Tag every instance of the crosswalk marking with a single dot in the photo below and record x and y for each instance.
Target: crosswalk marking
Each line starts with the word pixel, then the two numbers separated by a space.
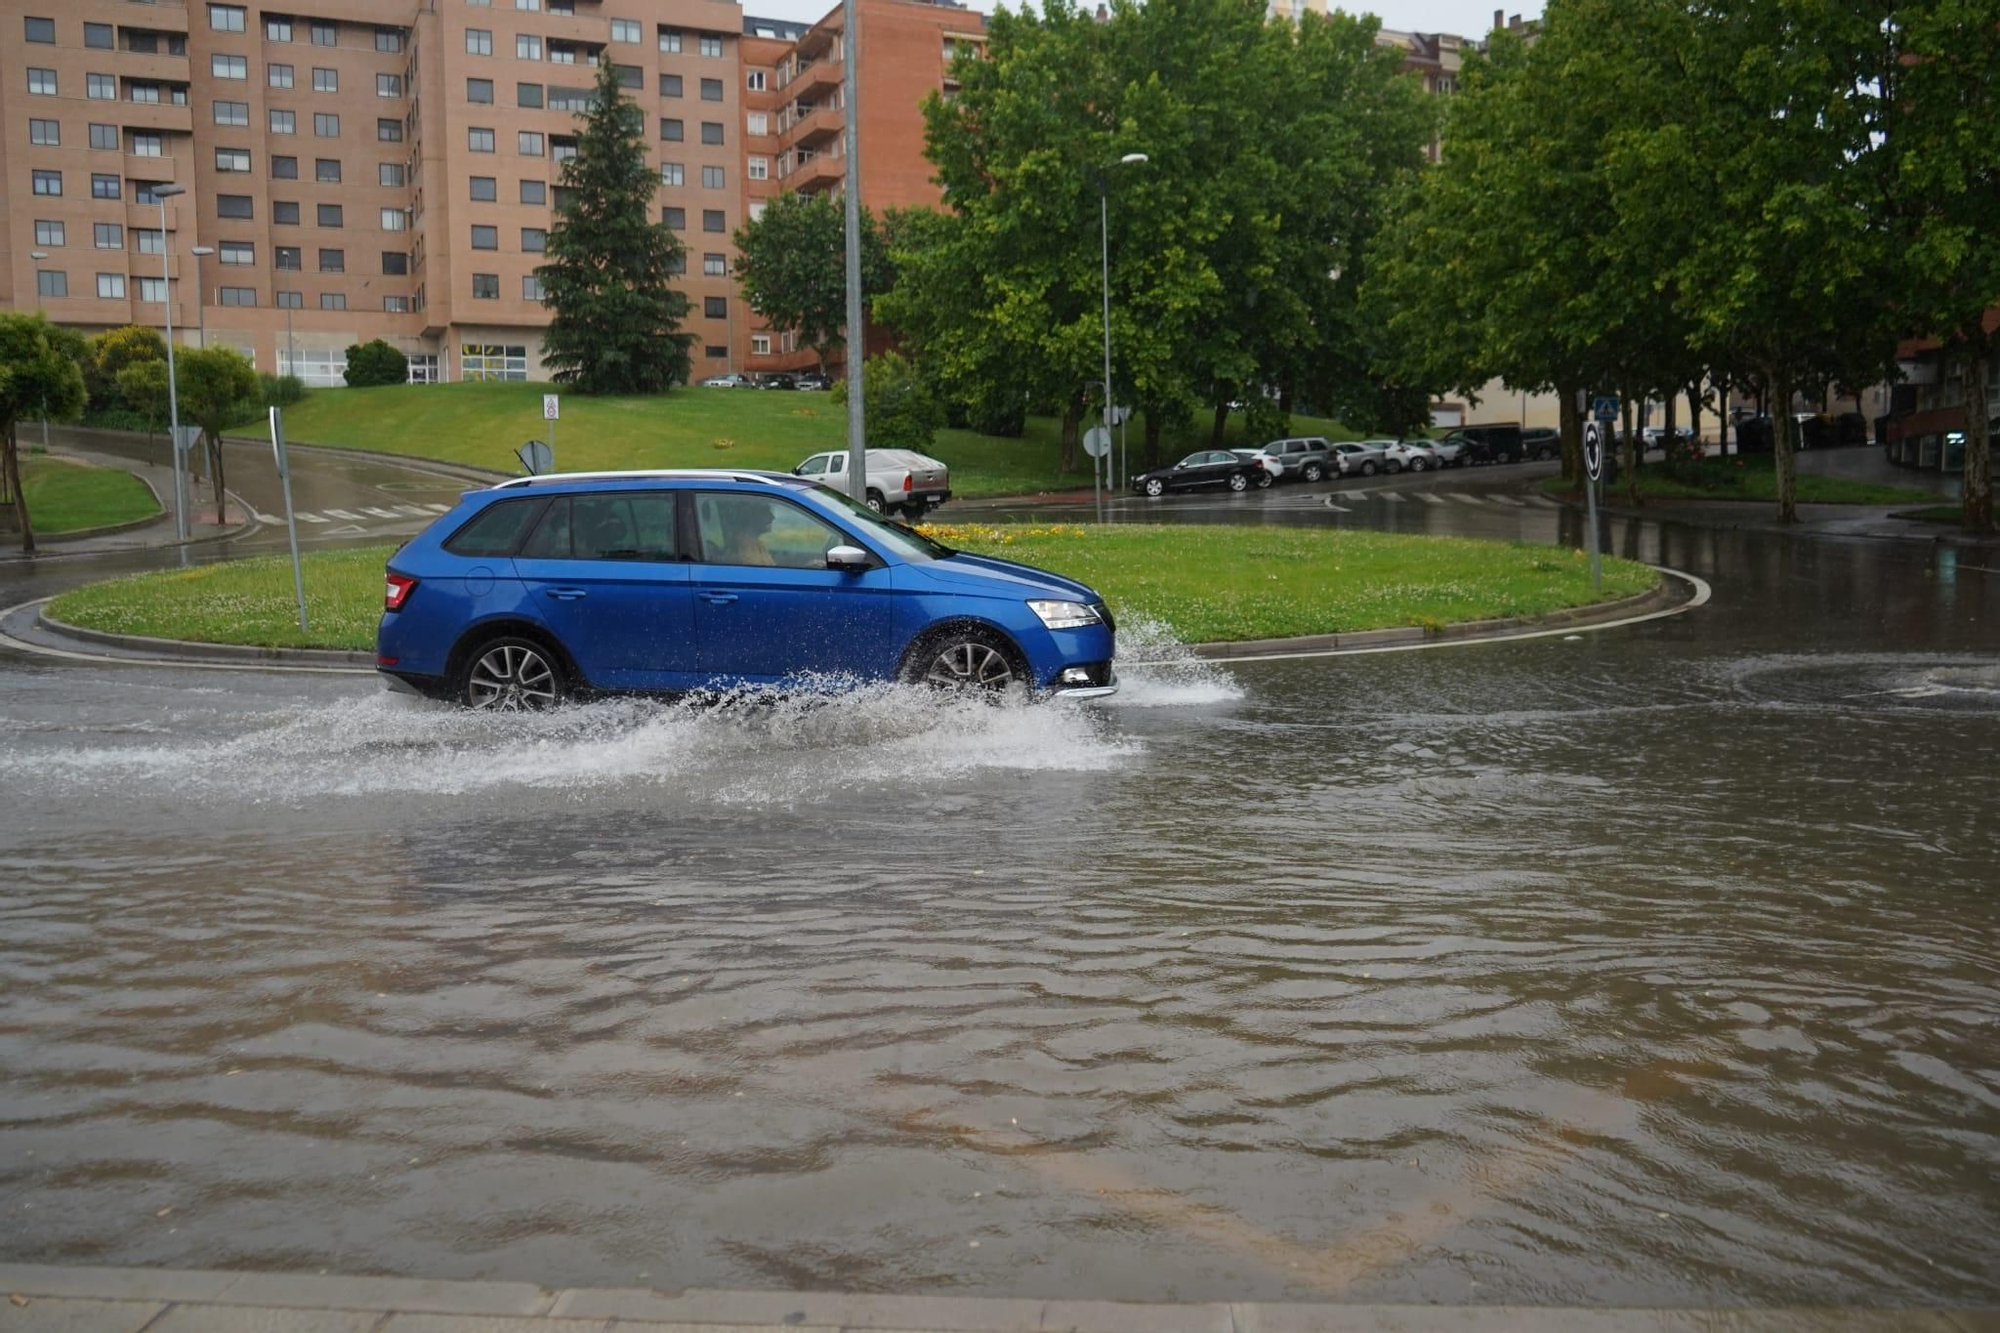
pixel 1428 498
pixel 1392 497
pixel 1507 500
pixel 378 513
pixel 342 513
pixel 1466 499
pixel 313 518
pixel 438 508
pixel 412 510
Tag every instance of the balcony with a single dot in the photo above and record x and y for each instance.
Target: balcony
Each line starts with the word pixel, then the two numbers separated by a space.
pixel 591 29
pixel 160 15
pixel 820 77
pixel 151 67
pixel 821 173
pixel 141 168
pixel 813 127
pixel 156 116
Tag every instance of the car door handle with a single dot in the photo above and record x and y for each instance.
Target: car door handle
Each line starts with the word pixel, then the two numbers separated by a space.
pixel 718 598
pixel 566 594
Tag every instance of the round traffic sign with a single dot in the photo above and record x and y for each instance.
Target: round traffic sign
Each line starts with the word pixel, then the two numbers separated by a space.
pixel 1593 450
pixel 1097 441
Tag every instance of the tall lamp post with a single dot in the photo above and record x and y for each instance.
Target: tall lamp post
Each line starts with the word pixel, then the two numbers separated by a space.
pixel 201 252
pixel 857 332
pixel 162 193
pixel 1104 237
pixel 38 256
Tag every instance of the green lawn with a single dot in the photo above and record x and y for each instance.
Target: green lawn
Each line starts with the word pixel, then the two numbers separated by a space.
pixel 1202 582
pixel 1750 478
pixel 483 423
pixel 68 496
pixel 1934 514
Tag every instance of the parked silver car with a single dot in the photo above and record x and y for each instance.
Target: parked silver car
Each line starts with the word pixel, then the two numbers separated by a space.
pixel 1272 467
pixel 1450 453
pixel 1363 459
pixel 1300 458
pixel 1407 455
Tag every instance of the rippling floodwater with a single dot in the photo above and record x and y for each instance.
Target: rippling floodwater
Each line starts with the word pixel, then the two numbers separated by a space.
pixel 1597 972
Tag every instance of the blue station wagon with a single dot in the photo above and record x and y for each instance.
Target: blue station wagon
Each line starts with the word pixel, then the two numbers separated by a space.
pixel 584 583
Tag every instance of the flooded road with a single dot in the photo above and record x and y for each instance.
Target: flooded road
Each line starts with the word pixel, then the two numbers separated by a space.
pixel 1657 967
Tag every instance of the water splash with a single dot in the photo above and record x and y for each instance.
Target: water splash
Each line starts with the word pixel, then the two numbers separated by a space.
pixel 1157 670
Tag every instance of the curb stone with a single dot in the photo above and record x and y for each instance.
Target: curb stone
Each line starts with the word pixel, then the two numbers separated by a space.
pixel 196 652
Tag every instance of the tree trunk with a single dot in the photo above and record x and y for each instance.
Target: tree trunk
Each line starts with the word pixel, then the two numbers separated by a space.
pixel 1782 427
pixel 1569 431
pixel 1694 411
pixel 1155 422
pixel 13 464
pixel 1628 455
pixel 1072 421
pixel 215 456
pixel 1978 434
pixel 1668 421
pixel 1722 416
pixel 1214 435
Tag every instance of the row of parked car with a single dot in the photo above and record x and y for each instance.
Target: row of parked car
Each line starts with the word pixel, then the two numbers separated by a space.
pixel 776 379
pixel 1313 458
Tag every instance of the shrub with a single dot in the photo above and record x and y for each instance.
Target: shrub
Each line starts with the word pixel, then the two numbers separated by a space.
pixel 376 362
pixel 903 412
pixel 282 390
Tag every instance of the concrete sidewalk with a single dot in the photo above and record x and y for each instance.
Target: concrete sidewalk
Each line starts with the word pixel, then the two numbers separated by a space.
pixel 45 1299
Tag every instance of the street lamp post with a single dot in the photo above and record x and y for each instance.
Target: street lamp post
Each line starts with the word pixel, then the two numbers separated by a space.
pixel 1104 255
pixel 162 193
pixel 201 252
pixel 38 256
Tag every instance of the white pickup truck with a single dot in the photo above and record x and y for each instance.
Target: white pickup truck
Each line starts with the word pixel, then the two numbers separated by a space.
pixel 898 479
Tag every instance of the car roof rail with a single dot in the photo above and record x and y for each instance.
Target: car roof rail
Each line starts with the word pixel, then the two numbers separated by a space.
pixel 643 474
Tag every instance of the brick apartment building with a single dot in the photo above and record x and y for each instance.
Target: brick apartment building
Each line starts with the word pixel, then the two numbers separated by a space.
pixel 387 168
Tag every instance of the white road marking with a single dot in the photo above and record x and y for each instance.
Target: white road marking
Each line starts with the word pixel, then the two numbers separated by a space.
pixel 342 513
pixel 312 518
pixel 412 510
pixel 1462 498
pixel 1507 500
pixel 1428 498
pixel 1391 497
pixel 378 513
pixel 438 509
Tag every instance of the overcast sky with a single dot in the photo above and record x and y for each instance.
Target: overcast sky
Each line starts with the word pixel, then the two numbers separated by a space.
pixel 1467 18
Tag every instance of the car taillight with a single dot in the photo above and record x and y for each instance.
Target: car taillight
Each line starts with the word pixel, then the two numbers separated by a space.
pixel 396 590
pixel 909 481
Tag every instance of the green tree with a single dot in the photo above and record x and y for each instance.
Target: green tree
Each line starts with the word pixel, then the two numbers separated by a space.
pixel 111 352
pixel 373 363
pixel 37 378
pixel 903 410
pixel 216 384
pixel 617 324
pixel 142 390
pixel 792 268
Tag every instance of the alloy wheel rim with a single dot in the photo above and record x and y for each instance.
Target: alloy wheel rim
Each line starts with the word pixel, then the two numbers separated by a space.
pixel 970 666
pixel 509 678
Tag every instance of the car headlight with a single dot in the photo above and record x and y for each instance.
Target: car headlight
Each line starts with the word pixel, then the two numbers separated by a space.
pixel 1065 615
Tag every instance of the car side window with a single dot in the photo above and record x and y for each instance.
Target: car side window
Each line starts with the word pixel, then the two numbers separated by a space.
pixel 813 466
pixel 738 529
pixel 615 525
pixel 1192 460
pixel 494 530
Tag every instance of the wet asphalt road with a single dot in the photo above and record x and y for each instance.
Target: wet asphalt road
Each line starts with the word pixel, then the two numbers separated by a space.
pixel 1656 967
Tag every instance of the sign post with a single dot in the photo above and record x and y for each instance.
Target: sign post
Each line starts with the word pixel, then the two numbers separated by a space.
pixel 291 523
pixel 184 440
pixel 551 412
pixel 1593 468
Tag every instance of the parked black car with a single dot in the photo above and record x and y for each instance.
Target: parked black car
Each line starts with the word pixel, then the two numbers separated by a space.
pixel 812 379
pixel 1491 444
pixel 777 379
pixel 1206 467
pixel 1541 441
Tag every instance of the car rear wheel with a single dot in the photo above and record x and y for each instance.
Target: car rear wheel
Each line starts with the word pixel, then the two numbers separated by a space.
pixel 1238 482
pixel 1368 468
pixel 969 661
pixel 1312 472
pixel 913 512
pixel 1392 467
pixel 876 502
pixel 1155 487
pixel 1416 465
pixel 511 675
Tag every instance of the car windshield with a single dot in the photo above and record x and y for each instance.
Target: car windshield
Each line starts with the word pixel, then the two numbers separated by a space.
pixel 898 537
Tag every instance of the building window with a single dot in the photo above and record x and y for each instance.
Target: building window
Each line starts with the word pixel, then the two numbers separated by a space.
pixel 527 47
pixel 333 300
pixel 486 286
pixel 528 143
pixel 625 30
pixel 290 259
pixel 388 129
pixel 712 220
pixel 285 212
pixel 478 140
pixel 326 170
pixel 484 190
pixel 395 219
pixel 532 289
pixel 712 178
pixel 277 28
pixel 760 168
pixel 479 41
pixel 534 192
pixel 629 76
pixel 758 123
pixel 325 80
pixel 42 30
pixel 97 36
pixel 153 290
pixel 755 80
pixel 290 301
pixel 232 113
pixel 236 296
pixel 284 122
pixel 671 131
pixel 388 85
pixel 395 264
pixel 760 344
pixel 278 76
pixel 670 85
pixel 485 238
pixel 714 265
pixel 715 353
pixel 325 34
pixel 47 133
pixel 329 215
pixel 559 198
pixel 228 67
pixel 711 46
pixel 670 41
pixel 479 90
pixel 235 206
pixel 111 286
pixel 389 173
pixel 395 305
pixel 232 159
pixel 284 168
pixel 238 252
pixel 478 361
pixel 711 131
pixel 389 41
pixel 318 367
pixel 673 173
pixel 225 18
pixel 711 90
pixel 108 235
pixel 42 82
pixel 52 282
pixel 151 240
pixel 48 233
pixel 104 186
pixel 534 241
pixel 100 87
pixel 333 261
pixel 528 95
pixel 674 219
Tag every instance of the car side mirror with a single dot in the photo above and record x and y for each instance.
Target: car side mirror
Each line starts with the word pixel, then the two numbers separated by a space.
pixel 852 559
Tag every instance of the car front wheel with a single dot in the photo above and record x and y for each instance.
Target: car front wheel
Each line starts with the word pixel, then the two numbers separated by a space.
pixel 970 661
pixel 1368 468
pixel 1416 465
pixel 511 675
pixel 1155 487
